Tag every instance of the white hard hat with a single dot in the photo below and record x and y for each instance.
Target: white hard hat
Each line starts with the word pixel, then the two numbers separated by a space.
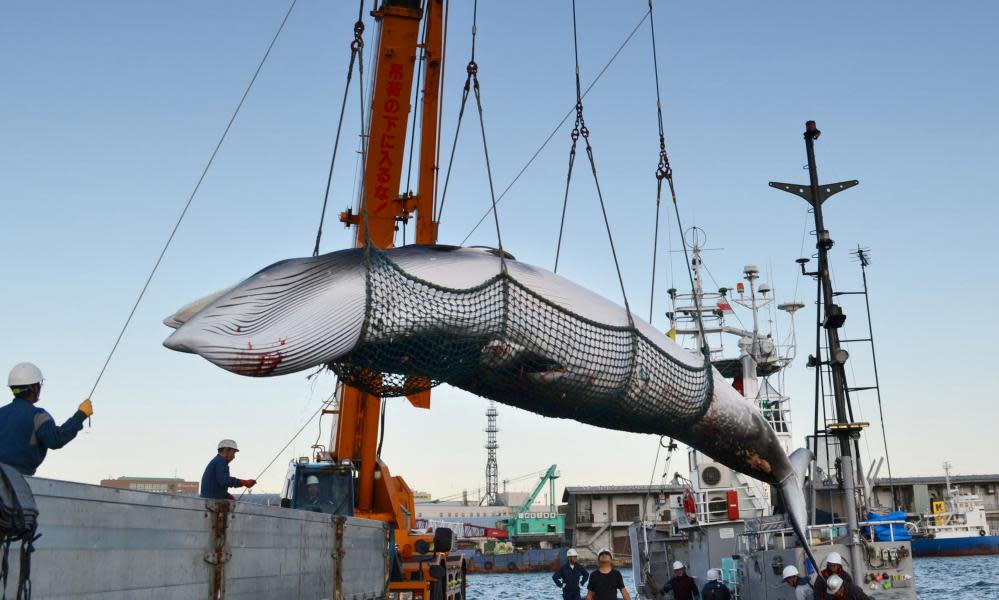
pixel 833 583
pixel 833 558
pixel 312 480
pixel 24 374
pixel 713 575
pixel 227 443
pixel 572 552
pixel 678 565
pixel 605 551
pixel 789 571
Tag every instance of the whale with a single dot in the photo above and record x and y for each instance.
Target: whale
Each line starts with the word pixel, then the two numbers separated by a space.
pixel 403 319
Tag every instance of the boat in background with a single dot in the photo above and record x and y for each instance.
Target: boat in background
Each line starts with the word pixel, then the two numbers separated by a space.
pixel 957 526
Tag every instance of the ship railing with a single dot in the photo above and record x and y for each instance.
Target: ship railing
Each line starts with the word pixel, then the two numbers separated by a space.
pixel 818 535
pixel 704 502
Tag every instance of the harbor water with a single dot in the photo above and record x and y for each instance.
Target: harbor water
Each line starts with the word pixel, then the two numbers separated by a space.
pixel 959 578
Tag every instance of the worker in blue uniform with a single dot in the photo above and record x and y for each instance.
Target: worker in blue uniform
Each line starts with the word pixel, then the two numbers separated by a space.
pixel 27 432
pixel 571 576
pixel 216 481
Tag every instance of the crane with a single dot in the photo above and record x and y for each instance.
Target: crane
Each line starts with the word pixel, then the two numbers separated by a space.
pixel 351 473
pixel 527 526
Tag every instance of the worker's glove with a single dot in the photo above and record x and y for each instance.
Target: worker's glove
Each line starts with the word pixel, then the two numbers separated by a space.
pixel 87 408
pixel 248 482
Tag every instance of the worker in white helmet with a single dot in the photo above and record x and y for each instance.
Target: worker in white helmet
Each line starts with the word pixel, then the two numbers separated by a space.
pixel 834 566
pixel 715 589
pixel 216 481
pixel 571 576
pixel 27 431
pixel 841 589
pixel 802 587
pixel 683 586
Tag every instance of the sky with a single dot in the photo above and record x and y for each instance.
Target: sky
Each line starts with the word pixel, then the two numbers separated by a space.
pixel 109 111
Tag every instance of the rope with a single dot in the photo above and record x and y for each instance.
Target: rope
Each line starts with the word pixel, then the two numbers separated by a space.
pixel 356 47
pixel 556 129
pixel 319 411
pixel 584 132
pixel 190 198
pixel 472 84
pixel 665 172
pixel 416 102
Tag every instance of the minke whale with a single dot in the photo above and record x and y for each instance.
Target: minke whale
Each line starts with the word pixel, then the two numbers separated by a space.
pixel 395 321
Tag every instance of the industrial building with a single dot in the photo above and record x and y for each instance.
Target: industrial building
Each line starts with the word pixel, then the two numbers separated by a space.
pixel 915 495
pixel 162 485
pixel 598 516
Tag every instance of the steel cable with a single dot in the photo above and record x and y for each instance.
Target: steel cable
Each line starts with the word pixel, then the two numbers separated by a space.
pixel 190 198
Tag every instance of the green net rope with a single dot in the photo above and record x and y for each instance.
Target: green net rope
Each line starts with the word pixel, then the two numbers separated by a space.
pixel 504 341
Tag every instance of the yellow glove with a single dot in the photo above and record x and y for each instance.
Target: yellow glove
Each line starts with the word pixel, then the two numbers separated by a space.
pixel 87 408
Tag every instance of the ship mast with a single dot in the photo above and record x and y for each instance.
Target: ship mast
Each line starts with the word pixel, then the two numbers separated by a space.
pixel 833 318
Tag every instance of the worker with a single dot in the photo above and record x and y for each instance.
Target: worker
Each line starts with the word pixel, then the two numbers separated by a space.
pixel 682 585
pixel 216 481
pixel 834 566
pixel 841 589
pixel 27 432
pixel 714 589
pixel 571 576
pixel 802 587
pixel 606 581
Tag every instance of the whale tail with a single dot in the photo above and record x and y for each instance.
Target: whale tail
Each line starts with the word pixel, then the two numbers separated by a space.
pixel 792 489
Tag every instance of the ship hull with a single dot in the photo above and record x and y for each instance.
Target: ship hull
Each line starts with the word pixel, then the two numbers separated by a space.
pixel 532 560
pixel 962 546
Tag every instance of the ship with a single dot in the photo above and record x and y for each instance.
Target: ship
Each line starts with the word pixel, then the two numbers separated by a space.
pixel 957 526
pixel 727 521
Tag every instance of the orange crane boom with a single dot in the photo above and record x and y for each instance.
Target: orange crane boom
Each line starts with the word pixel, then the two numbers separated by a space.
pixel 381 207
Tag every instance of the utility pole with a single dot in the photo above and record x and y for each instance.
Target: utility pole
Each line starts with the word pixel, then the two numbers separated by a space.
pixel 833 319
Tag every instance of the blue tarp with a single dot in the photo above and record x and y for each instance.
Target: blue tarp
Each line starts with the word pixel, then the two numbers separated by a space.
pixel 883 533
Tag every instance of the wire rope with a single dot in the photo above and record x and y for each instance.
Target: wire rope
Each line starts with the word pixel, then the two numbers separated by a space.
pixel 190 198
pixel 554 131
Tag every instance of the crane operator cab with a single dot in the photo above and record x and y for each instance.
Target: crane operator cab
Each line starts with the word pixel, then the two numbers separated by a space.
pixel 323 487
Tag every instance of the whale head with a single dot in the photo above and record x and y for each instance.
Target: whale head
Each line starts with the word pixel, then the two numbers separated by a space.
pixel 280 319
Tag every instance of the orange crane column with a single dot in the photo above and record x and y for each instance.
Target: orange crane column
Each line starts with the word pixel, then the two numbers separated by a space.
pixel 357 429
pixel 426 226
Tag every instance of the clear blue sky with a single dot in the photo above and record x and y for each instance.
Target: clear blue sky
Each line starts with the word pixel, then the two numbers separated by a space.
pixel 108 111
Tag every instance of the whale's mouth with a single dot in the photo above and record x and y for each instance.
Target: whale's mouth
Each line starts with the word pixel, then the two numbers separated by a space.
pixel 178 341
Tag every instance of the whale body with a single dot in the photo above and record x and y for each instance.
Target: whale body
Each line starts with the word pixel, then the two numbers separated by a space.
pixel 391 321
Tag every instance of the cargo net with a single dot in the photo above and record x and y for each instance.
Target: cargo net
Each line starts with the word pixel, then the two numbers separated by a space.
pixel 503 341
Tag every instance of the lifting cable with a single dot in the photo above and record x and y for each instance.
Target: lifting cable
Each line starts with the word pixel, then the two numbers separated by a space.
pixel 580 130
pixel 318 412
pixel 555 130
pixel 425 8
pixel 472 83
pixel 665 172
pixel 356 56
pixel 190 198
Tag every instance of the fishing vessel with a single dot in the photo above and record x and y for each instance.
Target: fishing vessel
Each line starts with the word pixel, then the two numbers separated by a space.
pixel 957 526
pixel 727 521
pixel 363 541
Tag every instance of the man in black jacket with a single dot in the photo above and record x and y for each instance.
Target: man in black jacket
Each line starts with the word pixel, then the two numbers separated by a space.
pixel 571 576
pixel 682 585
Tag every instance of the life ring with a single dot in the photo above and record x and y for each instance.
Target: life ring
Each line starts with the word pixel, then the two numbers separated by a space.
pixel 511 566
pixel 488 565
pixel 981 532
pixel 689 506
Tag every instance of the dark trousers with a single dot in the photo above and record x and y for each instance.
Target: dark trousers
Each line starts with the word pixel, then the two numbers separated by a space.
pixel 570 595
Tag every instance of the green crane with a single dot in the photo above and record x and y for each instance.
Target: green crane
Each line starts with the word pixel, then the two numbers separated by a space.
pixel 527 526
